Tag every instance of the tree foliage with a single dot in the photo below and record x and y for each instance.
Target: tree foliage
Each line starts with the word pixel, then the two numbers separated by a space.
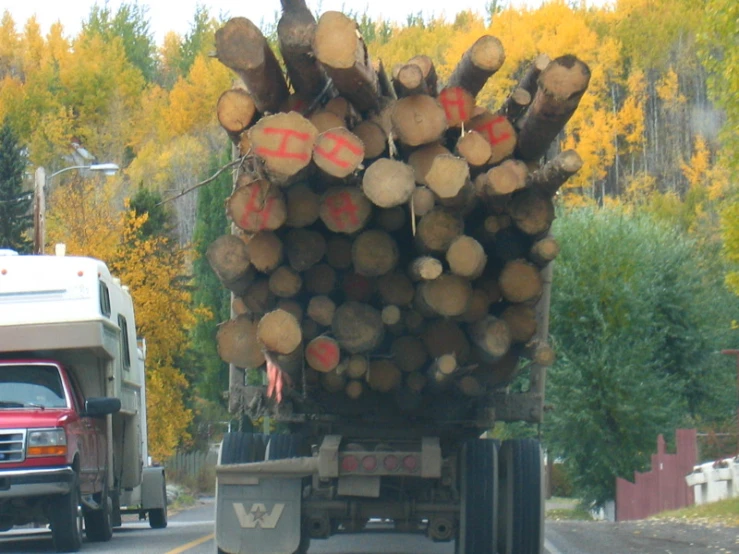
pixel 15 202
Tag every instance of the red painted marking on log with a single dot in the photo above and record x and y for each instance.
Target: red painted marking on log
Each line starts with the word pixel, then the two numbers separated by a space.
pixel 340 143
pixel 341 205
pixel 325 353
pixel 492 130
pixel 252 208
pixel 282 150
pixel 448 102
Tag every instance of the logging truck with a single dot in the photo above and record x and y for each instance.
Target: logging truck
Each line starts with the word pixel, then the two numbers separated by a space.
pixel 390 270
pixel 73 440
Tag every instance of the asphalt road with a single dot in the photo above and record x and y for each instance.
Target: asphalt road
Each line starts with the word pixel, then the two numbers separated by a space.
pixel 191 532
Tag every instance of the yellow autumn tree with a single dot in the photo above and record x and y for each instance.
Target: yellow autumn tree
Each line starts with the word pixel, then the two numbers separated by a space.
pixel 84 216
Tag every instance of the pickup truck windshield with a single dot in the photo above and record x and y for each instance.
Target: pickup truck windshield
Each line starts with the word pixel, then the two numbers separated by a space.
pixel 30 386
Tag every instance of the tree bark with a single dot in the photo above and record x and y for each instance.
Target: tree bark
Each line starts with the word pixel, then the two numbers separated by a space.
pixel 560 87
pixel 388 183
pixel 279 331
pixel 345 209
pixel 555 173
pixel 478 64
pixel 374 253
pixel 429 72
pixel 466 257
pixel 256 206
pixel 302 206
pixel 383 80
pixel 418 120
pixel 305 248
pixel 285 282
pixel 531 77
pixel 339 47
pixel 323 354
pixel 321 309
pixel 237 343
pixel 241 47
pixel 520 281
pixel 515 105
pixel 258 299
pixel 342 108
pixel 458 105
pixel 235 111
pixel 358 327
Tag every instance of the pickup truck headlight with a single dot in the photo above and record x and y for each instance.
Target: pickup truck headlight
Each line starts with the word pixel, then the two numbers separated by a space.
pixel 46 442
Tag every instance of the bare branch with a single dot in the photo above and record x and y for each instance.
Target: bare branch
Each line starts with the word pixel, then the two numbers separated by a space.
pixel 202 183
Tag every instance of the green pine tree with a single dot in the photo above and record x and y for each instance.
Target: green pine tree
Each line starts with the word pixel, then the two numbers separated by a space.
pixel 16 219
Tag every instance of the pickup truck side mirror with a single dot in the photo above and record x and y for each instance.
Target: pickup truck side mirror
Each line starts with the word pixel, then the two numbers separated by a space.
pixel 95 407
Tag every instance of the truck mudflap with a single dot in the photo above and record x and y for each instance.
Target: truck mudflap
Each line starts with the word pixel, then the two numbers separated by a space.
pixel 257 515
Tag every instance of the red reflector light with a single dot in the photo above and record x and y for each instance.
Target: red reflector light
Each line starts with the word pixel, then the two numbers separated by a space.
pixel 369 463
pixel 410 463
pixel 391 462
pixel 349 463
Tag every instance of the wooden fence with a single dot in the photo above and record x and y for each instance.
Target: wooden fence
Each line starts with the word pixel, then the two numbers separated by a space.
pixel 662 488
pixel 190 466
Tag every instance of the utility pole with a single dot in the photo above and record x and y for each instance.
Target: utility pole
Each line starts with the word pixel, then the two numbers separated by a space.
pixel 735 353
pixel 39 211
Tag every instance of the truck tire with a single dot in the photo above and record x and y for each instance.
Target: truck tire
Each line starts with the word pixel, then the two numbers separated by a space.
pixel 66 519
pixel 99 523
pixel 479 496
pixel 158 516
pixel 521 514
pixel 243 448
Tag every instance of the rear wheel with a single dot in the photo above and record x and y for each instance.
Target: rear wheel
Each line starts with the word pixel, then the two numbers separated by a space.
pixel 65 516
pixel 479 494
pixel 99 523
pixel 521 514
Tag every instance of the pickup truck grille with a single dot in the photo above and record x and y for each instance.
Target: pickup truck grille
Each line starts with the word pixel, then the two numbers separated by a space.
pixel 12 445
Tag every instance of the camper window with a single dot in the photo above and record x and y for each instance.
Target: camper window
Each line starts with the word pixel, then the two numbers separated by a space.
pixel 104 299
pixel 126 352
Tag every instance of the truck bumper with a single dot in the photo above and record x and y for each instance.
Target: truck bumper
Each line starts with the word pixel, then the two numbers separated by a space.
pixel 23 483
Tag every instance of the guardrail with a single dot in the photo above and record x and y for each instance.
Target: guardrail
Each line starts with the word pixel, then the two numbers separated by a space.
pixel 715 481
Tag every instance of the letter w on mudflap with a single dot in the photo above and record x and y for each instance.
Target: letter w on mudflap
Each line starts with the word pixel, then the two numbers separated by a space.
pixel 258 516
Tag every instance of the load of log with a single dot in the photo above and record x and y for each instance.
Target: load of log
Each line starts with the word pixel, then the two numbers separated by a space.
pixel 389 234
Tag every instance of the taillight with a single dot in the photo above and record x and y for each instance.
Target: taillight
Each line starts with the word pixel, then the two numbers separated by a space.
pixel 390 462
pixel 369 463
pixel 349 463
pixel 410 463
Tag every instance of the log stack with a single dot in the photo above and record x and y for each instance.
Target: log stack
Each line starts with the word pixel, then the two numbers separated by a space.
pixel 389 234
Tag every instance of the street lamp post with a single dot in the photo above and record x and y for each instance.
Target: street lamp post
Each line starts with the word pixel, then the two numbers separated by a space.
pixel 39 198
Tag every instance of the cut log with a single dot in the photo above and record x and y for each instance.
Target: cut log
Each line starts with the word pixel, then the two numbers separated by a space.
pixel 291 363
pixel 500 372
pixel 354 389
pixel 443 336
pixel 515 105
pixel 235 111
pixel 373 137
pixel 418 120
pixel 474 148
pixel 560 87
pixel 408 80
pixel 531 77
pixel 296 103
pixel 409 353
pixel 279 331
pixel 357 287
pixel 470 386
pixel 458 105
pixel 395 288
pixel 414 322
pixel 344 110
pixel 295 31
pixel 544 355
pixel 448 295
pixel 357 366
pixel 423 201
pixel 544 251
pixel 323 121
pixel 466 257
pixel 478 307
pixel 345 209
pixel 383 80
pixel 429 72
pixel 506 178
pixel 498 131
pixel 292 307
pixel 302 206
pixel 437 229
pixel 494 224
pixel 285 282
pixel 464 202
pixel 521 320
pixel 229 258
pixel 391 315
pixel 338 152
pixel 422 158
pixel 555 173
pixel 357 327
pixel 333 381
pixel 425 268
pixel 238 307
pixel 320 279
pixel 491 288
pixel 258 299
pixel 305 248
pixel 339 252
pixel 265 251
pixel 237 343
pixel 532 212
pixel 478 64
pixel 441 370
pixel 374 253
pixel 384 376
pixel 520 281
pixel 241 47
pixel 310 329
pixel 388 183
pixel 390 219
pixel 447 175
pixel 416 382
pixel 284 142
pixel 256 206
pixel 244 144
pixel 322 354
pixel 492 336
pixel 338 46
pixel 321 309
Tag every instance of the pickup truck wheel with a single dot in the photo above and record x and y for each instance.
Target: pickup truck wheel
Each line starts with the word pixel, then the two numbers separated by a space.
pixel 99 523
pixel 479 496
pixel 521 515
pixel 158 516
pixel 65 516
